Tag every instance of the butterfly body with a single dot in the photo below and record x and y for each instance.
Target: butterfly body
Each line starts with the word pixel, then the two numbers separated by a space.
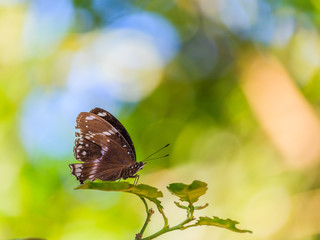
pixel 130 171
pixel 104 147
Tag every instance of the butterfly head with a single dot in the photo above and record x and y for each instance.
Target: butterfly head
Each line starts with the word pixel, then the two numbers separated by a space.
pixel 132 170
pixel 139 165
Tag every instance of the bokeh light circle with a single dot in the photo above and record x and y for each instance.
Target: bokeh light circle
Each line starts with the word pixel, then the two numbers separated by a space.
pixel 46 24
pixel 125 63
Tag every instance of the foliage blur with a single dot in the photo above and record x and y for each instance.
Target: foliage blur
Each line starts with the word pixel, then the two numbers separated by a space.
pixel 233 85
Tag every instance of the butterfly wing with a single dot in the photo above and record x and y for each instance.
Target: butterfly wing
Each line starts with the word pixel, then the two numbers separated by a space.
pixel 104 151
pixel 115 123
pixel 106 167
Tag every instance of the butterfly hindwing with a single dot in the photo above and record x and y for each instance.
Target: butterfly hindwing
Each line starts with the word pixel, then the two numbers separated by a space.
pixel 107 167
pixel 105 173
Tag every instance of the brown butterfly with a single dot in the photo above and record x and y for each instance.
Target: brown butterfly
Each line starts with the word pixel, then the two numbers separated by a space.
pixel 104 147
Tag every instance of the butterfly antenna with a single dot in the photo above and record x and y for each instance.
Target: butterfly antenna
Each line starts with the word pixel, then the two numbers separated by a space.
pixel 156 152
pixel 156 158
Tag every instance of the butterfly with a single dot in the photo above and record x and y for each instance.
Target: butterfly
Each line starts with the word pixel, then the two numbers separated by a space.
pixel 104 147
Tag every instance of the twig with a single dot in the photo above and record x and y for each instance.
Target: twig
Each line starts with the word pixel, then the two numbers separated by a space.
pixel 145 204
pixel 138 236
pixel 165 219
pixel 178 226
pixel 149 214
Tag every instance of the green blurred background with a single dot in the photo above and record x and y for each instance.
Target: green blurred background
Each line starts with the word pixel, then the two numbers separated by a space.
pixel 233 85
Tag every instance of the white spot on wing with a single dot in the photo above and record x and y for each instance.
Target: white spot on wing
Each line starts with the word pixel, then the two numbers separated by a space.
pixel 90 117
pixel 107 133
pixel 104 149
pixel 84 153
pixel 102 114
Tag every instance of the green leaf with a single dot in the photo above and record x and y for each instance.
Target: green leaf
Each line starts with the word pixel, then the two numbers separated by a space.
pixel 189 193
pixel 140 190
pixel 223 223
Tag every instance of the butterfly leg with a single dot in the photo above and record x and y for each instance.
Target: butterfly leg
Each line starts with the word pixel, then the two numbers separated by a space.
pixel 136 179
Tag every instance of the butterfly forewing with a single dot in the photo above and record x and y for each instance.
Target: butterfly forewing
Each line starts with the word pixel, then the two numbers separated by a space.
pixel 84 150
pixel 115 123
pixel 102 133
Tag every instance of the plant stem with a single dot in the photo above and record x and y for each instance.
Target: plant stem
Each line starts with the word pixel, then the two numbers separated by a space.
pixel 165 219
pixel 178 226
pixel 145 204
pixel 191 225
pixel 149 214
pixel 169 229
